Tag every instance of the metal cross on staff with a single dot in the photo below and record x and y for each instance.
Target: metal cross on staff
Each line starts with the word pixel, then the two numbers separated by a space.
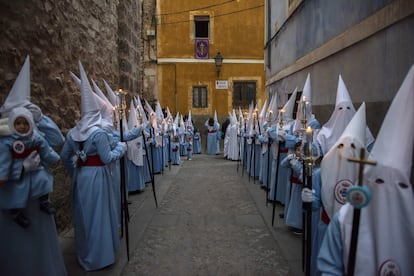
pixel 359 197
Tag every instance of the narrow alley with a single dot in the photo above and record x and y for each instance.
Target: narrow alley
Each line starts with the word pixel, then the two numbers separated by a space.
pixel 211 220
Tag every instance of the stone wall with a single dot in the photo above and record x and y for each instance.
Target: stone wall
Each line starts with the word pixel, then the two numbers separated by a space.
pixel 103 34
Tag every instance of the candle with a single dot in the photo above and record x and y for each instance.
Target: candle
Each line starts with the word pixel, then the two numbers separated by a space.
pixel 304 108
pixel 309 137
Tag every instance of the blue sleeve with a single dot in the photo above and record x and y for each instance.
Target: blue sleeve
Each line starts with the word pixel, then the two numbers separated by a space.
pixel 290 141
pixel 66 155
pixel 330 261
pixel 47 153
pixel 316 185
pixel 132 134
pixel 6 161
pixel 103 148
pixel 51 132
pixel 285 162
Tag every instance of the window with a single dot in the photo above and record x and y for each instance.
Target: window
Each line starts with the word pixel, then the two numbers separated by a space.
pixel 200 97
pixel 201 26
pixel 244 93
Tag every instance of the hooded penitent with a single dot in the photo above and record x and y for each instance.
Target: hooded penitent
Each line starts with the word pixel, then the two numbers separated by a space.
pixel 288 110
pixel 134 152
pixel 337 173
pixel 107 109
pixel 304 105
pixel 91 118
pixel 386 236
pixel 341 116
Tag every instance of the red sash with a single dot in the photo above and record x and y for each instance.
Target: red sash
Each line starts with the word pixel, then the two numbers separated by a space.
pixel 324 217
pixel 92 161
pixel 295 180
pixel 25 153
pixel 212 131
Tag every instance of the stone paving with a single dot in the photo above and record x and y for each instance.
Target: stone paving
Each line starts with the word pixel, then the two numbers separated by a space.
pixel 210 221
pixel 207 224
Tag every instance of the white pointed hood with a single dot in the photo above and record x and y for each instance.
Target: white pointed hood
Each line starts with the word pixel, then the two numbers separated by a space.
pixel 19 94
pixel 111 94
pixel 337 173
pixel 134 151
pixel 386 228
pixel 90 111
pixel 305 99
pixel 107 110
pixel 340 117
pixel 290 106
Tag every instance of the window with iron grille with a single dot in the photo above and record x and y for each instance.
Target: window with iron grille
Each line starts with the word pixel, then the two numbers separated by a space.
pixel 201 26
pixel 244 93
pixel 200 97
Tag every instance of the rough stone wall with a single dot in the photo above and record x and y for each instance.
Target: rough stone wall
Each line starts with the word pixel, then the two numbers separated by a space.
pixel 129 46
pixel 149 51
pixel 56 35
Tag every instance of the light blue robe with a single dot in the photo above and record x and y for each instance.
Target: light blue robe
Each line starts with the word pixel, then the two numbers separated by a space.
pixel 35 250
pixel 212 141
pixel 17 191
pixel 94 209
pixel 330 259
pixel 32 251
pixel 175 153
pixel 135 176
pixel 197 143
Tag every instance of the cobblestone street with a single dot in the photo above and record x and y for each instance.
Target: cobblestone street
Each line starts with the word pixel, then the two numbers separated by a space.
pixel 210 221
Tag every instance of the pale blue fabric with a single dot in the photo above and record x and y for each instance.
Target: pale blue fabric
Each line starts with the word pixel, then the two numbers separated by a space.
pixel 212 140
pixel 32 251
pixel 197 143
pixel 175 153
pixel 134 176
pixel 330 259
pixel 94 209
pixel 17 191
pixel 189 149
pixel 51 132
pixel 293 216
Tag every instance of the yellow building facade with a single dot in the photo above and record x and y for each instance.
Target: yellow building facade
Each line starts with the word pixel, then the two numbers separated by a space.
pixel 190 34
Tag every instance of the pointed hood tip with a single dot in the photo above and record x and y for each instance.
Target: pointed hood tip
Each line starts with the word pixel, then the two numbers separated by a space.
pixel 398 155
pixel 19 94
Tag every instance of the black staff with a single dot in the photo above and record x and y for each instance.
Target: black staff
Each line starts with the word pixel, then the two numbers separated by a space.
pixel 307 206
pixel 151 168
pixel 169 148
pixel 275 182
pixel 355 194
pixel 244 158
pixel 124 203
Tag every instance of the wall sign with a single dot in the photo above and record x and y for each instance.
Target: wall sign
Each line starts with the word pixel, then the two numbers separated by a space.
pixel 222 84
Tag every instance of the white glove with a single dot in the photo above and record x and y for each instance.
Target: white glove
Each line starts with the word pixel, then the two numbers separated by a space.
pixel 291 156
pixel 32 162
pixel 121 148
pixel 308 195
pixel 281 135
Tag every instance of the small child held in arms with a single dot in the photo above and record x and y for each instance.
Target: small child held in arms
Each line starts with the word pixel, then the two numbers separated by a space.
pixel 24 153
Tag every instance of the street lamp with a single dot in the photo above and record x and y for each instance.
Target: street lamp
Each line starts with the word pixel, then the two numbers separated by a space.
pixel 218 60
